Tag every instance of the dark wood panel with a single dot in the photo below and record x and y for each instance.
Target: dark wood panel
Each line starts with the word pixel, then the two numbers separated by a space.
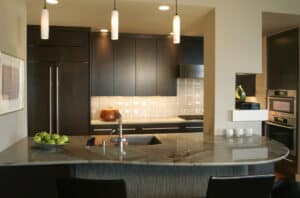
pixel 124 67
pixel 58 53
pixel 74 98
pixel 166 67
pixel 59 36
pixel 149 128
pixel 283 59
pixel 191 51
pixel 145 67
pixel 248 82
pixel 102 68
pixel 38 96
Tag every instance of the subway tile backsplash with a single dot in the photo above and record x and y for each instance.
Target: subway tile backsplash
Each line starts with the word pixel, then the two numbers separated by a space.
pixel 189 101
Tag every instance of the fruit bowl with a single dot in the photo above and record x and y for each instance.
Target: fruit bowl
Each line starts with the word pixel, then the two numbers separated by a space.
pixel 50 142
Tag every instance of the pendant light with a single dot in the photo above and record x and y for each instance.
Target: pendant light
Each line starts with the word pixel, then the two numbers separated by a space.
pixel 176 26
pixel 45 22
pixel 52 1
pixel 115 23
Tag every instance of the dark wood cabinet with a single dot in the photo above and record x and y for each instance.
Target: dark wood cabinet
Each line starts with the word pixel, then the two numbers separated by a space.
pixel 188 127
pixel 283 60
pixel 102 67
pixel 135 65
pixel 124 66
pixel 146 67
pixel 248 82
pixel 191 51
pixel 167 70
pixel 74 98
pixel 70 81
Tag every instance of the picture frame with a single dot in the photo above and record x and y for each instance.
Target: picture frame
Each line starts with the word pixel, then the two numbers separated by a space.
pixel 12 80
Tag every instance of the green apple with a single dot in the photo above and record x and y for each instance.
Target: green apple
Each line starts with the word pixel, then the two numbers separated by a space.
pixel 65 138
pixel 43 134
pixel 51 141
pixel 55 136
pixel 37 139
pixel 60 141
pixel 47 137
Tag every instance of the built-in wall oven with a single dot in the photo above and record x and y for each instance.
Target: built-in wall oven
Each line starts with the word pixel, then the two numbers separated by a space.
pixel 282 124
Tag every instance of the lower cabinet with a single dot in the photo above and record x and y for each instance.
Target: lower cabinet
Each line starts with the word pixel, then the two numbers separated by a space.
pixel 149 128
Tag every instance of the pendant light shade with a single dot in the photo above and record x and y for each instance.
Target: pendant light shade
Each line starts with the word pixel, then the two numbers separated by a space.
pixel 45 23
pixel 176 27
pixel 52 1
pixel 115 23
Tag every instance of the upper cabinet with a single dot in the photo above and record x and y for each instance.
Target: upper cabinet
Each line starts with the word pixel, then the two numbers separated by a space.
pixel 140 65
pixel 146 69
pixel 191 51
pixel 167 70
pixel 283 60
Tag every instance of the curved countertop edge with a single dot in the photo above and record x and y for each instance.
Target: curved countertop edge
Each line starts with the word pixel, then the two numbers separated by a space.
pixel 14 156
pixel 93 162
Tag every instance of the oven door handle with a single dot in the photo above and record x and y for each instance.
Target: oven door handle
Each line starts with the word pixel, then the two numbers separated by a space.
pixel 282 98
pixel 279 125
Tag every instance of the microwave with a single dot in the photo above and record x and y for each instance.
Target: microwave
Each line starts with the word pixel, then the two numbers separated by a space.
pixel 282 103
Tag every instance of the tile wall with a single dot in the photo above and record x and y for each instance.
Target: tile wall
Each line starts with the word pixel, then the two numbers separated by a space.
pixel 189 101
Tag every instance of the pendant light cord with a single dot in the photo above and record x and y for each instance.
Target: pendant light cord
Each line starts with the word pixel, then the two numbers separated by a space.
pixel 45 4
pixel 115 5
pixel 176 5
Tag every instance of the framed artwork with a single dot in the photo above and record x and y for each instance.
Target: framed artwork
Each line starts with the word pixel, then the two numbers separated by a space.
pixel 11 83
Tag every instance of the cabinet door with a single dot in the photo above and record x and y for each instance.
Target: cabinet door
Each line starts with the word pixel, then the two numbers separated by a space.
pixel 38 96
pixel 166 67
pixel 102 69
pixel 124 67
pixel 74 98
pixel 145 67
pixel 191 51
pixel 283 60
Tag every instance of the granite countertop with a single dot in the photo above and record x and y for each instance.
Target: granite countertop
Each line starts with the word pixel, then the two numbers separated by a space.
pixel 168 120
pixel 175 150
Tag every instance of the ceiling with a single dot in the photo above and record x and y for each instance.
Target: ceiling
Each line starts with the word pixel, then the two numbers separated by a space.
pixel 135 16
pixel 276 22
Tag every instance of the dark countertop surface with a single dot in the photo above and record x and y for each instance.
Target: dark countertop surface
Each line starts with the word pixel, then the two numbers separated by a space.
pixel 189 149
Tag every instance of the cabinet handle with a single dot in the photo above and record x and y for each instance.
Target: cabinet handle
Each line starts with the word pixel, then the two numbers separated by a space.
pixel 193 127
pixel 50 100
pixel 102 130
pixel 57 100
pixel 159 128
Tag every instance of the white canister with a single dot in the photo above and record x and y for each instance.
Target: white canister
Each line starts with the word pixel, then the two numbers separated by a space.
pixel 248 132
pixel 228 132
pixel 238 132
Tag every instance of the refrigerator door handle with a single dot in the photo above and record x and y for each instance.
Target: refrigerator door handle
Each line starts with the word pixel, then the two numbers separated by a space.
pixel 50 99
pixel 57 99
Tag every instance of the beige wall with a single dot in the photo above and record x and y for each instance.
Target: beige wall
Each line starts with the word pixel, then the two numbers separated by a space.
pixel 13 126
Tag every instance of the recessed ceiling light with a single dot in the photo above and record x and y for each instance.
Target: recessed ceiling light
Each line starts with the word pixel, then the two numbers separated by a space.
pixel 164 7
pixel 104 30
pixel 52 1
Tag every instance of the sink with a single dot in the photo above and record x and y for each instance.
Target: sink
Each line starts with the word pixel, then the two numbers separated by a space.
pixel 140 140
pixel 143 140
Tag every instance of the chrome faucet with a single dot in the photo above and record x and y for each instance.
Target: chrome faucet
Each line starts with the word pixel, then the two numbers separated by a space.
pixel 120 140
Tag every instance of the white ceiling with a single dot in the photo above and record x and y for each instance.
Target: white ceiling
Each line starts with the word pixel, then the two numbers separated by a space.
pixel 135 16
pixel 275 22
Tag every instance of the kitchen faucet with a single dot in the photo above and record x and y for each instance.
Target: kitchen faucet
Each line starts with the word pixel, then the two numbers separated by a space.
pixel 120 140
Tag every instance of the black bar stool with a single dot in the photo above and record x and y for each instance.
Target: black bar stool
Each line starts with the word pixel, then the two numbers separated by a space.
pixel 84 188
pixel 259 186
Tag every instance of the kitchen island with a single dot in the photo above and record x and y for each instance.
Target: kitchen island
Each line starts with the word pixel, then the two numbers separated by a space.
pixel 179 165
